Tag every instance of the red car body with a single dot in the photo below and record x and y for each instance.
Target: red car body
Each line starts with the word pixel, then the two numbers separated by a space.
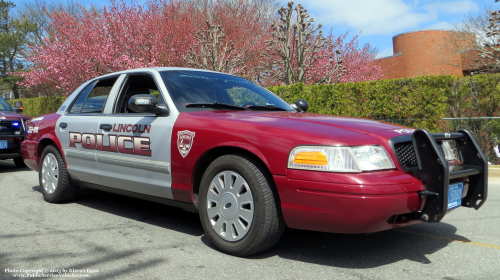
pixel 312 200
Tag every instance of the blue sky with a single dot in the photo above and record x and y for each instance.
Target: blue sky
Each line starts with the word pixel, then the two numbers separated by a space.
pixel 378 20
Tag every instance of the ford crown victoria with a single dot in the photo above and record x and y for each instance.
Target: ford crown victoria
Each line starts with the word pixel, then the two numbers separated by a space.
pixel 247 161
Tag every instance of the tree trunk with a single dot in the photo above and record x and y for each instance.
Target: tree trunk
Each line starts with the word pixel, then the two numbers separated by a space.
pixel 15 90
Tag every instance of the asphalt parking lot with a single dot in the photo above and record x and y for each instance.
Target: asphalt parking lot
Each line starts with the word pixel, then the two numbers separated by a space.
pixel 102 236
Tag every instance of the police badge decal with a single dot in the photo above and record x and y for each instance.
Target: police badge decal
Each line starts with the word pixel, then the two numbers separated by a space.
pixel 185 142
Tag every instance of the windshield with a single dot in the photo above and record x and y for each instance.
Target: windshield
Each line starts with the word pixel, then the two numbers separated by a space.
pixel 4 106
pixel 191 87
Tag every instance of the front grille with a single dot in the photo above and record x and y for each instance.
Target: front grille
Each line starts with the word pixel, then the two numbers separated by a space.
pixel 6 133
pixel 6 128
pixel 406 154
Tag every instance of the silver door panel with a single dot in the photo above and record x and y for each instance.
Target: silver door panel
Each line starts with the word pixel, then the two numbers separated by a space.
pixel 81 163
pixel 138 173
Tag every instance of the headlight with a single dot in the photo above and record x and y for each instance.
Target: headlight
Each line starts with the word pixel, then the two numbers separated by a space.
pixel 340 159
pixel 450 151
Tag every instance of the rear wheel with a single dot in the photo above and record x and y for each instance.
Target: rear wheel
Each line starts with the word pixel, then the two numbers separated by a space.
pixel 238 209
pixel 54 179
pixel 19 162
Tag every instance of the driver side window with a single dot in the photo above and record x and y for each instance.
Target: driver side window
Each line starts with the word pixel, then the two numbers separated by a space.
pixel 137 84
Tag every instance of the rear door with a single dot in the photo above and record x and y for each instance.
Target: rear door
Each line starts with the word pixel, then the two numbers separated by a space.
pixel 134 153
pixel 77 128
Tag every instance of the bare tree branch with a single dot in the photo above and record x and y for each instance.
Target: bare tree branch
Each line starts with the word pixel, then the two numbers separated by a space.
pixel 489 53
pixel 212 53
pixel 295 49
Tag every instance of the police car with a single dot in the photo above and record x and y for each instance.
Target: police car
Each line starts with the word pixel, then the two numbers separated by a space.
pixel 12 131
pixel 247 161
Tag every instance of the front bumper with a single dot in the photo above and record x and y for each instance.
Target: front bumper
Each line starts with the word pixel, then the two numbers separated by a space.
pixel 349 207
pixel 13 147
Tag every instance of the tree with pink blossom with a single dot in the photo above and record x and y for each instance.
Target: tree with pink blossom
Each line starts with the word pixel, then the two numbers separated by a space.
pixel 89 43
pixel 124 36
pixel 121 37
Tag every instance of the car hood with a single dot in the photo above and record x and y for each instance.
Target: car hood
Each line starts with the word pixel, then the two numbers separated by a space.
pixel 4 115
pixel 323 128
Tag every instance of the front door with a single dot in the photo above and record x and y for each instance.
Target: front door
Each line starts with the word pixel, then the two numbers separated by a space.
pixel 133 149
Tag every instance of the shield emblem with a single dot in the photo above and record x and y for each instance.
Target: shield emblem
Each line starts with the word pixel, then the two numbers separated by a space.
pixel 185 142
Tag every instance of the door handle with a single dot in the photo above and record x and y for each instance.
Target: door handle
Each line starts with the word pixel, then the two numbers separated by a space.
pixel 105 126
pixel 63 125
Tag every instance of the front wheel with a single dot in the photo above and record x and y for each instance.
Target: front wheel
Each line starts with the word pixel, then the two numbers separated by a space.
pixel 239 211
pixel 53 177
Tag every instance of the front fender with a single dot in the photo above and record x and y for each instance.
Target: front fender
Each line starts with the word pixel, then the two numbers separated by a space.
pixel 245 146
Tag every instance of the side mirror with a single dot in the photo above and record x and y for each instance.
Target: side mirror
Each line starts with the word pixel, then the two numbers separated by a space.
pixel 142 103
pixel 18 106
pixel 301 105
pixel 162 110
pixel 146 103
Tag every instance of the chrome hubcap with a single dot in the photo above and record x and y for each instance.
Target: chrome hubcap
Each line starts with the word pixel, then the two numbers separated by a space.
pixel 50 173
pixel 230 205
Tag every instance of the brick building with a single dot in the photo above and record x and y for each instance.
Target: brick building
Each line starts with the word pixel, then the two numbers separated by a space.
pixel 429 52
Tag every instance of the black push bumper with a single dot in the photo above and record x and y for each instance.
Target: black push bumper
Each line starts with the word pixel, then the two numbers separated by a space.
pixel 433 170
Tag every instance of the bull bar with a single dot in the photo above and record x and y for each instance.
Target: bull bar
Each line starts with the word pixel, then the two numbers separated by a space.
pixel 433 170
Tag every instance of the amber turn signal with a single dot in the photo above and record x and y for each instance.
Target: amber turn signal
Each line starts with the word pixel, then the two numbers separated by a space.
pixel 312 158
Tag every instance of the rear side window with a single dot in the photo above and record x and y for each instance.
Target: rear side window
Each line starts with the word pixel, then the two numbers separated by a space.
pixel 93 97
pixel 77 106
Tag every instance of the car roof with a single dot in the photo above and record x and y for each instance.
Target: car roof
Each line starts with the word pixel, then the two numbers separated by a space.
pixel 160 69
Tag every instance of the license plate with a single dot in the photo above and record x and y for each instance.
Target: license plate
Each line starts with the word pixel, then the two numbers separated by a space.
pixel 3 144
pixel 455 195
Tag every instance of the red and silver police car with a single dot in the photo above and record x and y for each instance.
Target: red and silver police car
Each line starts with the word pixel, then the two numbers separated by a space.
pixel 247 161
pixel 12 131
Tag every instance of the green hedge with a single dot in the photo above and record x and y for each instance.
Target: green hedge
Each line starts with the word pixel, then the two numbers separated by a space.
pixel 37 106
pixel 425 98
pixel 421 98
pixel 474 96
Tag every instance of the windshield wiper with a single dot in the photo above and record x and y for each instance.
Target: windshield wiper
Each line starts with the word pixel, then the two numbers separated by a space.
pixel 269 107
pixel 214 105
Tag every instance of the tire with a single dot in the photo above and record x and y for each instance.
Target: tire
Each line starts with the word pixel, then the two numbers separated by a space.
pixel 243 217
pixel 53 177
pixel 19 162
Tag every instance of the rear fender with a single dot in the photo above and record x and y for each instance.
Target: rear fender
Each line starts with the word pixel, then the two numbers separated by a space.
pixel 46 140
